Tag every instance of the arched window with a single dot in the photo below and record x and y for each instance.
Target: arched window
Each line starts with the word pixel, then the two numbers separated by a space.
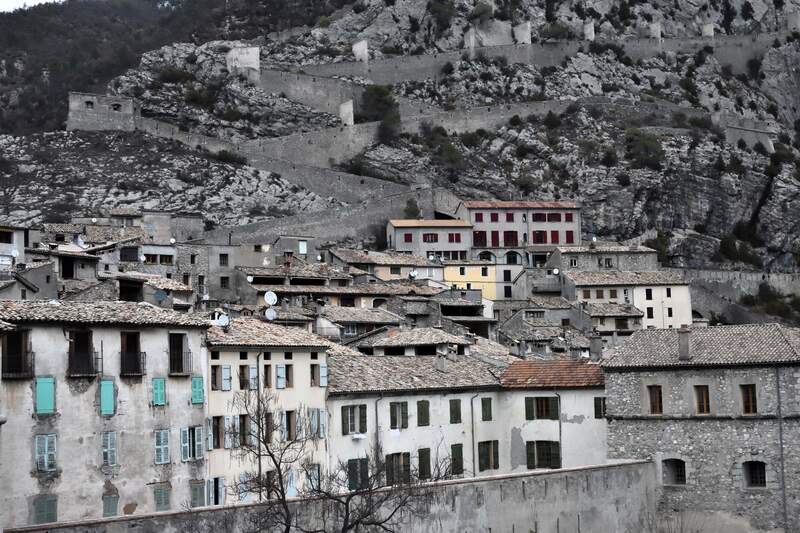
pixel 674 472
pixel 378 302
pixel 486 256
pixel 755 474
pixel 512 258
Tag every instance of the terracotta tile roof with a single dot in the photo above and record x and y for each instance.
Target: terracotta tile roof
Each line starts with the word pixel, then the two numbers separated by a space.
pixel 747 344
pixel 298 268
pixel 369 257
pixel 564 374
pixel 373 374
pixel 410 337
pixel 616 277
pixel 541 301
pixel 359 315
pixel 613 309
pixel 61 253
pixel 256 332
pixel 606 249
pixel 558 336
pixel 519 204
pixel 7 326
pixel 367 289
pixel 429 223
pixel 100 313
pixel 153 280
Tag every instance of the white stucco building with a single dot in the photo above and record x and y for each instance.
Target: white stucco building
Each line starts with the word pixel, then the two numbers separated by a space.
pixel 105 410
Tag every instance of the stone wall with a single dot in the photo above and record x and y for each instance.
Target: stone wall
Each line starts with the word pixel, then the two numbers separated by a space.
pixel 739 282
pixel 597 499
pixel 94 112
pixel 714 446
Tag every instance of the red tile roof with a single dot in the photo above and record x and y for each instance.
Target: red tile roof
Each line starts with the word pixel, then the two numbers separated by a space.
pixel 552 374
pixel 519 204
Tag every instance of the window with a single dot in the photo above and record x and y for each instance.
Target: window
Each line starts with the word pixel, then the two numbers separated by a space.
pixel 543 454
pixel 423 413
pixel 673 472
pixel 350 330
pixel 358 474
pixel 161 446
pixel 486 409
pixel 495 236
pixel 507 291
pixel 197 493
pixel 159 391
pixel 132 360
pixel 398 415
pixel 478 217
pixel 430 237
pixel 110 505
pixel 354 419
pixel 554 236
pixel 223 260
pixel 186 280
pixel 108 442
pixel 573 262
pixel 600 407
pixel 454 237
pixel 192 259
pixel 224 282
pixel 755 474
pixel 669 312
pixel 394 271
pixel 484 272
pixel 608 262
pixel 267 376
pixel 587 294
pixel 151 259
pixel 191 443
pixel 538 217
pixel 494 217
pixel 612 293
pixel 506 275
pixel 217 432
pixel 488 455
pixel 45 396
pixel 542 408
pixel 478 238
pixel 398 468
pixel 567 217
pixel 424 460
pixel 408 237
pixel 165 259
pixel 45 452
pixel 510 239
pixel 45 509
pixel 129 253
pixel 161 495
pixel 455 411
pixel 650 312
pixel 302 247
pixel 600 294
pixel 648 294
pixel 669 292
pixel 288 425
pixel 749 400
pixel 456 459
pixel 654 396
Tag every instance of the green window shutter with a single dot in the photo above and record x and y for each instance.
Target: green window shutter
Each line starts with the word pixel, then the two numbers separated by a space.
pixel 495 454
pixel 404 415
pixel 455 411
pixel 486 409
pixel 45 396
pixel 423 413
pixel 393 415
pixel 197 390
pixel 406 467
pixel 424 456
pixel 483 456
pixel 345 421
pixel 352 474
pixel 107 403
pixel 457 459
pixel 553 408
pixel 363 467
pixel 362 418
pixel 530 409
pixel 530 454
pixel 159 391
pixel 555 455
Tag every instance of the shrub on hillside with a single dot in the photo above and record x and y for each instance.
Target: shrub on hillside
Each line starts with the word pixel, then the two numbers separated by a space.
pixel 643 149
pixel 174 75
pixel 443 12
pixel 551 121
pixel 225 156
pixel 377 102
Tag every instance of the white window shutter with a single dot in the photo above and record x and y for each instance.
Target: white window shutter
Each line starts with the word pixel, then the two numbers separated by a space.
pixel 226 378
pixel 244 495
pixel 283 427
pixel 291 489
pixel 210 433
pixel 198 442
pixel 51 451
pixel 156 447
pixel 221 491
pixel 253 378
pixel 41 443
pixel 323 375
pixel 280 376
pixel 323 423
pixel 236 432
pixel 253 432
pixel 227 429
pixel 210 491
pixel 314 422
pixel 185 452
pixel 299 428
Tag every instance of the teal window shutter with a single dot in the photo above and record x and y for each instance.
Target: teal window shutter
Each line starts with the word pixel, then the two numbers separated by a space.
pixel 45 396
pixel 159 391
pixel 107 402
pixel 197 390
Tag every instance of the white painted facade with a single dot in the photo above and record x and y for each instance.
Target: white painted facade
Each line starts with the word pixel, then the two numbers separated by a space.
pixel 79 480
pixel 664 306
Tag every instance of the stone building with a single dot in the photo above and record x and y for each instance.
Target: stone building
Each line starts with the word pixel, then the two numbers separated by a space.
pixel 387 266
pixel 445 239
pixel 717 409
pixel 104 407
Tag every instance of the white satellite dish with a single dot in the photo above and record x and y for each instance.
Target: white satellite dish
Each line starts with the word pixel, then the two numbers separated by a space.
pixel 413 274
pixel 250 279
pixel 270 314
pixel 555 271
pixel 431 257
pixel 319 258
pixel 223 320
pixel 142 258
pixel 271 298
pixel 14 253
pixel 94 220
pixel 172 240
pixel 594 239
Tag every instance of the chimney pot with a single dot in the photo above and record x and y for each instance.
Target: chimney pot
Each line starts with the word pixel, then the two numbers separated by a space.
pixel 683 343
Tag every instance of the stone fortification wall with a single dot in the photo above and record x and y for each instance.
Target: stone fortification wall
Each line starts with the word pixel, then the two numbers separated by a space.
pixel 735 283
pixel 95 112
pixel 597 499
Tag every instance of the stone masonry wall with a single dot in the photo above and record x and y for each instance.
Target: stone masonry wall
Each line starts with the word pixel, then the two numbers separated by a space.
pixel 739 282
pixel 93 112
pixel 714 446
pixel 602 499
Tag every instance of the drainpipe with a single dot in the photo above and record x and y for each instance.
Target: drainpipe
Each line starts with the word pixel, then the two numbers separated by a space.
pixel 560 451
pixel 780 443
pixel 472 421
pixel 377 428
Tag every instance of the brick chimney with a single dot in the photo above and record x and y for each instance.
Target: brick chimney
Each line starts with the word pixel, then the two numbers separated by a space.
pixel 595 347
pixel 683 343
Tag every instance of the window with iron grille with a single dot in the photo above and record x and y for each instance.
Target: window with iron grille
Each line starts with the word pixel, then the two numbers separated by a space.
pixel 673 472
pixel 755 474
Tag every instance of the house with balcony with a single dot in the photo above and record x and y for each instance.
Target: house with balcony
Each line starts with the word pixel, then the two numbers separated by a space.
pixel 105 410
pixel 439 238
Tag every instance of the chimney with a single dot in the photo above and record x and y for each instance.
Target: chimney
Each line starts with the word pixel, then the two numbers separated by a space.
pixel 452 352
pixel 440 363
pixel 683 343
pixel 285 304
pixel 595 347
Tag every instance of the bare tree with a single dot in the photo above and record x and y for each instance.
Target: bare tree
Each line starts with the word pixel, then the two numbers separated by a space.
pixel 274 444
pixel 372 493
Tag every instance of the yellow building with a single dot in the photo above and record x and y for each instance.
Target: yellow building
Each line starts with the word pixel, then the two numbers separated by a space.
pixel 472 275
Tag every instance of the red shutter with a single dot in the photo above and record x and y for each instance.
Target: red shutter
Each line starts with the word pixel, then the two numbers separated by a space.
pixel 570 237
pixel 495 239
pixel 554 236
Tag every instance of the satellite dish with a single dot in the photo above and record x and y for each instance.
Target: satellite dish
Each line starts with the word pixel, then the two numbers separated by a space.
pixel 14 253
pixel 413 274
pixel 270 314
pixel 172 240
pixel 431 257
pixel 319 258
pixel 271 298
pixel 594 239
pixel 94 220
pixel 250 279
pixel 223 320
pixel 142 258
pixel 265 262
pixel 556 271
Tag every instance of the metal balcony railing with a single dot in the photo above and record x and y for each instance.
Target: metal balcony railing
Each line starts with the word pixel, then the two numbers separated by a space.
pixel 84 364
pixel 180 363
pixel 133 363
pixel 20 365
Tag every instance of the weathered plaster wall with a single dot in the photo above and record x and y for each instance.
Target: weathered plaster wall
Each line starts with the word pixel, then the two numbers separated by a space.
pixel 588 500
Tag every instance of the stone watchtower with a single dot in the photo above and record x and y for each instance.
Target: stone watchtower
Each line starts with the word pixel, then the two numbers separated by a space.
pixel 93 112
